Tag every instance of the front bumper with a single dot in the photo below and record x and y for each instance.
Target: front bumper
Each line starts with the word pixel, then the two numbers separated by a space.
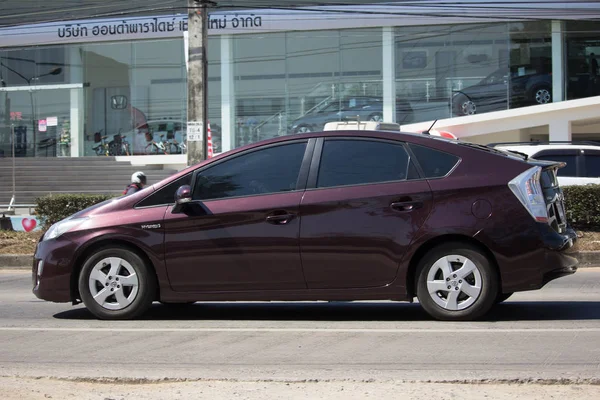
pixel 51 271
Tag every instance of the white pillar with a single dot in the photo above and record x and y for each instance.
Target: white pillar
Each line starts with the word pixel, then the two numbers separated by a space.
pixel 558 61
pixel 560 130
pixel 77 110
pixel 227 94
pixel 389 75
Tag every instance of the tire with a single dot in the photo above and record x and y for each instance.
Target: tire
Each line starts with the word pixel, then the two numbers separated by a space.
pixel 463 105
pixel 541 95
pixel 109 268
pixel 303 129
pixel 502 297
pixel 377 117
pixel 440 269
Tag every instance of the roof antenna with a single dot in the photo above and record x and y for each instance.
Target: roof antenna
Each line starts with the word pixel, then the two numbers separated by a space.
pixel 427 131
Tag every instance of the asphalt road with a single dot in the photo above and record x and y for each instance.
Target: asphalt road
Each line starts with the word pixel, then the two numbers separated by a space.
pixel 553 333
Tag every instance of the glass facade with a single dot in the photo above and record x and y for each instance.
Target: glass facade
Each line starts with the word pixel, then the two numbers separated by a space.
pixel 583 53
pixel 130 97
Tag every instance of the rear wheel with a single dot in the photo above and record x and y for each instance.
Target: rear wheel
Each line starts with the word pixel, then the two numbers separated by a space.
pixel 542 95
pixel 456 282
pixel 115 283
pixel 464 105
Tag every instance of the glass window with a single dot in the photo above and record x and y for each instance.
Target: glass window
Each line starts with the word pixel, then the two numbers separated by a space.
pixel 434 163
pixel 270 170
pixel 165 195
pixel 355 162
pixel 583 57
pixel 592 166
pixel 571 160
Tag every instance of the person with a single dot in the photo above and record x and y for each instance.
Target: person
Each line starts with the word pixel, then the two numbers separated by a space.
pixel 593 66
pixel 138 181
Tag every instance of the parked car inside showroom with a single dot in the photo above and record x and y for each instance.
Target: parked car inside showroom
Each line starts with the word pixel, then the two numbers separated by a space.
pixel 526 87
pixel 336 215
pixel 366 108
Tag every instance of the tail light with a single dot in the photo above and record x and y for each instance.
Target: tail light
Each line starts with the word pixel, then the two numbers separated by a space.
pixel 528 189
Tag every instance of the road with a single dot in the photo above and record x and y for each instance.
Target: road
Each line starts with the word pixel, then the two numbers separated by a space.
pixel 550 334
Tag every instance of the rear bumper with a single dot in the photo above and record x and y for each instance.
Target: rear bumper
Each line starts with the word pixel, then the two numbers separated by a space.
pixel 543 264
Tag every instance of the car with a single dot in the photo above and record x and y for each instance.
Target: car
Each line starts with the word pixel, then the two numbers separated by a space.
pixel 582 158
pixel 332 216
pixel 491 94
pixel 366 108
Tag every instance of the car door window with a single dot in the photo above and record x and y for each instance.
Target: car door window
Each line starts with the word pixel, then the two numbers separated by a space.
pixel 434 163
pixel 166 194
pixel 571 160
pixel 271 170
pixel 356 162
pixel 592 166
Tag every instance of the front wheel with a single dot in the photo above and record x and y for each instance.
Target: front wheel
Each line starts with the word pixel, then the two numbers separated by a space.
pixel 376 117
pixel 303 129
pixel 456 282
pixel 115 283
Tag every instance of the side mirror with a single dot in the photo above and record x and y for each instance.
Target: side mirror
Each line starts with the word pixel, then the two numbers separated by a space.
pixel 183 196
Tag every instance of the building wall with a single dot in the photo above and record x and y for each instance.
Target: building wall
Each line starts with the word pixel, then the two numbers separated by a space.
pixel 279 76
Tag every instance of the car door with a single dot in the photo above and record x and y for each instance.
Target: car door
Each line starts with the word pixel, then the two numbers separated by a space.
pixel 363 205
pixel 245 234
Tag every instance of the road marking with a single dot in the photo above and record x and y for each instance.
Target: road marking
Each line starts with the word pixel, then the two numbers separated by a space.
pixel 308 330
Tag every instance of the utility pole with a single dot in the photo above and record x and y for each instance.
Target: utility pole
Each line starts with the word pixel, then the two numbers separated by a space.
pixel 197 80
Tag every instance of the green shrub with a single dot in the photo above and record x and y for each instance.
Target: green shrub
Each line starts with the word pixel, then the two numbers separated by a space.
pixel 53 208
pixel 583 206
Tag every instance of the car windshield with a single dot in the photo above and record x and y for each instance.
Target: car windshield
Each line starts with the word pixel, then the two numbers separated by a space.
pixel 495 77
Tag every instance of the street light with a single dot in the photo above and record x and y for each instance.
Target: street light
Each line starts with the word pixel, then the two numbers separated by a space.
pixel 54 71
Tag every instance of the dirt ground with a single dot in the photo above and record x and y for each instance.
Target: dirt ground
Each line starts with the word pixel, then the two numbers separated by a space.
pixel 18 242
pixel 36 389
pixel 24 243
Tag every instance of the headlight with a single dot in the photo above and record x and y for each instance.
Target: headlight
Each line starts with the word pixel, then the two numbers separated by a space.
pixel 63 226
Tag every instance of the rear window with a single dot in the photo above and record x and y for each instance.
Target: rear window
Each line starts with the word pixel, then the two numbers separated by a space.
pixel 435 163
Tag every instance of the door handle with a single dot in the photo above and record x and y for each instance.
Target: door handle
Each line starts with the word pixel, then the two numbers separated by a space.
pixel 280 219
pixel 406 205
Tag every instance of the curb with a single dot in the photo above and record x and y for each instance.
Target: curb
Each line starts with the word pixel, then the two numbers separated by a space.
pixel 587 259
pixel 16 261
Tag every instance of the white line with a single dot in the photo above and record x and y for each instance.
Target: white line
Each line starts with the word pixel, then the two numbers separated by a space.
pixel 304 330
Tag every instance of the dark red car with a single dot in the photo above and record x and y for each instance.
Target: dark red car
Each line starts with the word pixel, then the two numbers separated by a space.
pixel 340 215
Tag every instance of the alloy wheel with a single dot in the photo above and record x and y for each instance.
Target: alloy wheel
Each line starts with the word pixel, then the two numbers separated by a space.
pixel 454 282
pixel 468 108
pixel 543 96
pixel 113 283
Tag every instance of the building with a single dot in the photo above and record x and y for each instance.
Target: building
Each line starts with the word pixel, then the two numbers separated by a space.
pixel 70 88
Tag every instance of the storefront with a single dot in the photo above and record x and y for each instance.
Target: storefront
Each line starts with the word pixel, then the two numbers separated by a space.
pixel 118 87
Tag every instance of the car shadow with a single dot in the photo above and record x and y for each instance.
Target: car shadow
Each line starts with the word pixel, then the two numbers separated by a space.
pixel 349 311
